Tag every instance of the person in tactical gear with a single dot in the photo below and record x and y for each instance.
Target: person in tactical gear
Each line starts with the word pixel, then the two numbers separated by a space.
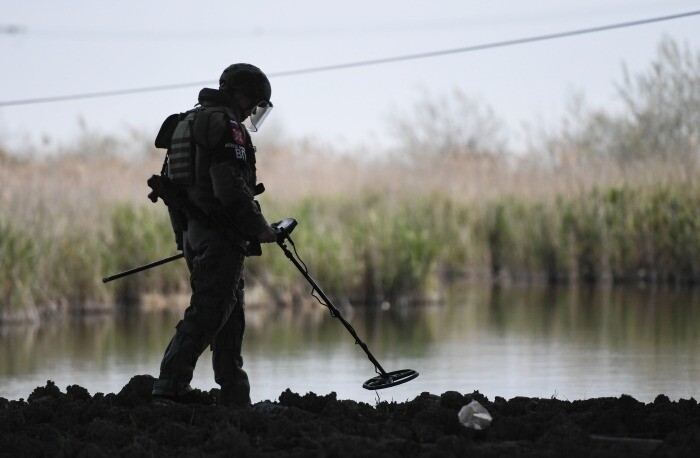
pixel 211 161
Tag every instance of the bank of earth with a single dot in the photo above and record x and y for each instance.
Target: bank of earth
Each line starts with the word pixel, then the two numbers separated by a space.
pixel 52 422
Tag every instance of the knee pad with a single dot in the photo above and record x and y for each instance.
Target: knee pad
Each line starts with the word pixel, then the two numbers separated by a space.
pixel 208 313
pixel 190 329
pixel 198 335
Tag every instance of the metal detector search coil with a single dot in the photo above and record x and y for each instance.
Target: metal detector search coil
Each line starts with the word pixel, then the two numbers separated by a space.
pixel 383 379
pixel 390 379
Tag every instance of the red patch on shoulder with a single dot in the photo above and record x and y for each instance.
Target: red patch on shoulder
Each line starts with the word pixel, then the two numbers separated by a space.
pixel 238 136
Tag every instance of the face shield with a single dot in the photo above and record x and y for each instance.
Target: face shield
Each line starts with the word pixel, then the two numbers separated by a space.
pixel 257 116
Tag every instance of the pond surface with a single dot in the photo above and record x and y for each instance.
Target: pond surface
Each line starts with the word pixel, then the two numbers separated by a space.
pixel 511 342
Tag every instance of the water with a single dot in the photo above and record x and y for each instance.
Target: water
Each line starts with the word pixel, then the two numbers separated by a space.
pixel 514 342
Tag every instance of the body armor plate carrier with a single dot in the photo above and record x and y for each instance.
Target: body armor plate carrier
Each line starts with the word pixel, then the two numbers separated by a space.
pixel 181 155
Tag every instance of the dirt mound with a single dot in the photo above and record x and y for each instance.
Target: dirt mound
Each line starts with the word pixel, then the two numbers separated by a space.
pixel 75 423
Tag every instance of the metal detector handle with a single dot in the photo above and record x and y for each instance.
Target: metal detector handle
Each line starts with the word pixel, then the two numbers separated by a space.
pixel 325 299
pixel 284 228
pixel 142 268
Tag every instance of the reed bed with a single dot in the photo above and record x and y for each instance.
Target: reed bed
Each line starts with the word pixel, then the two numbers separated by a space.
pixel 370 231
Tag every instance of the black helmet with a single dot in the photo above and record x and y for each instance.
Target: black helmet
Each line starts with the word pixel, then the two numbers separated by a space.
pixel 248 79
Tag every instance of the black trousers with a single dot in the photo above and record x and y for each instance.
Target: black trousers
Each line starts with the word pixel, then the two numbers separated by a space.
pixel 215 317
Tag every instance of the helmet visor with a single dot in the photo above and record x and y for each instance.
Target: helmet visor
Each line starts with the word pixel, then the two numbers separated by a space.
pixel 258 116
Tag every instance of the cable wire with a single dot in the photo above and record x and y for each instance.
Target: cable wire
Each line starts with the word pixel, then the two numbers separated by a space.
pixel 363 63
pixel 306 271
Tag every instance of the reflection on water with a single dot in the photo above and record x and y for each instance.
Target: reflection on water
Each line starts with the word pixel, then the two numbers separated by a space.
pixel 508 343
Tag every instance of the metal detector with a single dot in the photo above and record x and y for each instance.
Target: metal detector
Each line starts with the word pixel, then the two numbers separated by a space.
pixel 285 227
pixel 384 379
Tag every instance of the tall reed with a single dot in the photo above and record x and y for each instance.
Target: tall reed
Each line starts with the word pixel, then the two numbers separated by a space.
pixel 381 231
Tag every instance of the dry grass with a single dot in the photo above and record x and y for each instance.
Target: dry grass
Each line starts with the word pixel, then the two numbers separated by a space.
pixel 291 176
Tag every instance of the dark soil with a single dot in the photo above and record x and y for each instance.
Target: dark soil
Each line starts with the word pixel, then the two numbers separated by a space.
pixel 54 423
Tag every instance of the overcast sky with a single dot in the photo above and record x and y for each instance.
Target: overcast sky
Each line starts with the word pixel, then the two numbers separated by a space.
pixel 50 48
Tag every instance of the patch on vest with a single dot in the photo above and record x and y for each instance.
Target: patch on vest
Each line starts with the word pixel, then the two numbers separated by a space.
pixel 238 150
pixel 237 133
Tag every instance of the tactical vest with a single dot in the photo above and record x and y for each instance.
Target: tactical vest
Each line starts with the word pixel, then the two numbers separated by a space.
pixel 178 137
pixel 187 162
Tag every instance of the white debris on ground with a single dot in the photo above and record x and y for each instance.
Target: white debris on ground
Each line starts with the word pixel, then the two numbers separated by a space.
pixel 475 416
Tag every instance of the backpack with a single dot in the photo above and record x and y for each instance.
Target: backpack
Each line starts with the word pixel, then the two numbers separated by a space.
pixel 175 135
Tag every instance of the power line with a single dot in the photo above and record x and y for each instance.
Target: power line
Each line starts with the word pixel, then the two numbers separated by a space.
pixel 363 63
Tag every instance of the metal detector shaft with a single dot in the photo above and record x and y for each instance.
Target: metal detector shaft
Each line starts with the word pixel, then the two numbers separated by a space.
pixel 327 302
pixel 144 267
